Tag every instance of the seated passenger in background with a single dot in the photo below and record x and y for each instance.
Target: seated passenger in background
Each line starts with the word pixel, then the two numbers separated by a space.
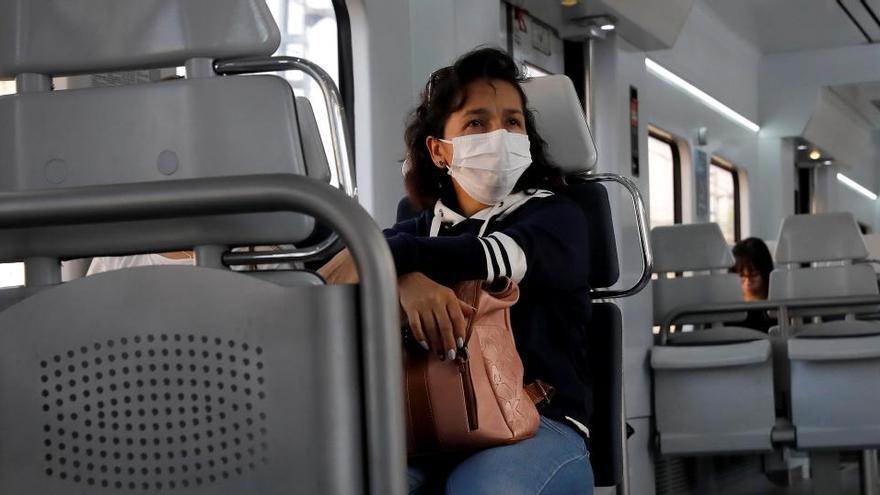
pixel 754 264
pixel 480 175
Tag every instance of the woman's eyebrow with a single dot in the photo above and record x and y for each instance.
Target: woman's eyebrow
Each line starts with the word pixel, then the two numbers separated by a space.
pixel 485 111
pixel 477 111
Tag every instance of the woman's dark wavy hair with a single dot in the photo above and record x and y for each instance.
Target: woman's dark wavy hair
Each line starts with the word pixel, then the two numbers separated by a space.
pixel 444 94
pixel 753 254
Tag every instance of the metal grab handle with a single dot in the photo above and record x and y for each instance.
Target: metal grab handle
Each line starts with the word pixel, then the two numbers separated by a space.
pixel 781 305
pixel 309 253
pixel 641 223
pixel 341 141
pixel 258 194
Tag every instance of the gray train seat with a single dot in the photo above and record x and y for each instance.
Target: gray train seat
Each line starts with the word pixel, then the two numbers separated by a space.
pixel 834 365
pixel 163 131
pixel 177 378
pixel 560 121
pixel 713 386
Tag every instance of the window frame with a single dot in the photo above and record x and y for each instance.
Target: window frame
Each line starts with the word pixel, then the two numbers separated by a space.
pixel 346 64
pixel 717 161
pixel 667 138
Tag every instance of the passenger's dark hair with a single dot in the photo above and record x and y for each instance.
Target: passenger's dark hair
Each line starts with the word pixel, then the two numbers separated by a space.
pixel 444 94
pixel 753 254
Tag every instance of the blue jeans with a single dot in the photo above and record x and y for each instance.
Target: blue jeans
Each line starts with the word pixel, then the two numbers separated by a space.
pixel 553 462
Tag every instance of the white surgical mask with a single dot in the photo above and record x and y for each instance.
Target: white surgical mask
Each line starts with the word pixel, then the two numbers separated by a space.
pixel 488 165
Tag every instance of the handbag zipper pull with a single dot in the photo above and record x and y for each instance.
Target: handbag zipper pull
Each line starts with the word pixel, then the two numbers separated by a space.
pixel 467 384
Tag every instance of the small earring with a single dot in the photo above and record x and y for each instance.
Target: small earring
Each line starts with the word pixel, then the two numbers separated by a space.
pixel 442 163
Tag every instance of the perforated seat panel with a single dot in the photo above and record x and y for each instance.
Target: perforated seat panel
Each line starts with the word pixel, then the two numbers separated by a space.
pixel 180 380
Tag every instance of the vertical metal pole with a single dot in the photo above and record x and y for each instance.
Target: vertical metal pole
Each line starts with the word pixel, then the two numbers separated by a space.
pixel 199 67
pixel 210 256
pixel 32 83
pixel 42 271
pixel 869 472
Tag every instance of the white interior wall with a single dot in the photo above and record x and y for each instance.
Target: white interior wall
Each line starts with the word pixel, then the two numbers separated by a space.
pixel 720 62
pixel 392 61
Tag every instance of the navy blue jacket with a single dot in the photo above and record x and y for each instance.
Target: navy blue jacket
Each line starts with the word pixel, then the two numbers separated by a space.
pixel 540 241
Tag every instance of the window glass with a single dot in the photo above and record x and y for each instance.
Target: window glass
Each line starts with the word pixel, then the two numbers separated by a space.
pixel 723 201
pixel 308 30
pixel 662 179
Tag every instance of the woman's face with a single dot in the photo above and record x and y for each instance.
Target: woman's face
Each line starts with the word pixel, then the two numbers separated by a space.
pixel 490 105
pixel 752 284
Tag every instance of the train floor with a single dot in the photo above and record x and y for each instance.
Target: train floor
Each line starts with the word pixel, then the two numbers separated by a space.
pixel 743 475
pixel 758 484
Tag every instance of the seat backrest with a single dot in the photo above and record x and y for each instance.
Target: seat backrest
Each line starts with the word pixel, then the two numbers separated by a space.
pixel 815 258
pixel 92 36
pixel 700 251
pixel 161 131
pixel 560 120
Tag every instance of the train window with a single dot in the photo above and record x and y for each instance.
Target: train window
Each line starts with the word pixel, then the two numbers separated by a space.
pixel 664 179
pixel 309 30
pixel 724 198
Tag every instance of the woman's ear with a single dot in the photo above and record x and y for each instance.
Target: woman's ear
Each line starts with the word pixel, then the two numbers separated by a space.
pixel 438 151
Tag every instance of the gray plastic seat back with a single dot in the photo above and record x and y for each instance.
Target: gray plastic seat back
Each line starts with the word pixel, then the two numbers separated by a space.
pixel 832 239
pixel 560 120
pixel 820 237
pixel 89 36
pixel 202 126
pixel 699 249
pixel 166 379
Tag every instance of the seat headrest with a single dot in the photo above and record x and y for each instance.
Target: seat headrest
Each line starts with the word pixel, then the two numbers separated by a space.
pixel 560 121
pixel 820 237
pixel 696 246
pixel 90 36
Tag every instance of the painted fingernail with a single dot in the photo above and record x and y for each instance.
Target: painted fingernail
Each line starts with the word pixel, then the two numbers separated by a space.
pixel 450 354
pixel 424 345
pixel 460 342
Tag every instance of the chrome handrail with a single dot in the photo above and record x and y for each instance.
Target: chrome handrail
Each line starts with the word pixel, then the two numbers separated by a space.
pixel 781 305
pixel 339 135
pixel 641 223
pixel 309 253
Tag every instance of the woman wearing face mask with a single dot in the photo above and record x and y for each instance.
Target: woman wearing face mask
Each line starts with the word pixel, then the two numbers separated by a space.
pixel 478 171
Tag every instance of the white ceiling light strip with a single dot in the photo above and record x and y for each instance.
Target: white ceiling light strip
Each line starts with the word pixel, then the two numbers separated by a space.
pixel 856 186
pixel 671 78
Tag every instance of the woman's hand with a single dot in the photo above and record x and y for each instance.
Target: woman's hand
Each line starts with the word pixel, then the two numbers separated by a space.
pixel 340 270
pixel 435 315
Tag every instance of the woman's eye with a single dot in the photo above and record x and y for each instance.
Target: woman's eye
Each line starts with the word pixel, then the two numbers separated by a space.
pixel 514 123
pixel 475 123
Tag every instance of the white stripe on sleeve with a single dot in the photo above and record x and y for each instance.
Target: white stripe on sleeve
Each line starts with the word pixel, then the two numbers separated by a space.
pixel 490 273
pixel 515 255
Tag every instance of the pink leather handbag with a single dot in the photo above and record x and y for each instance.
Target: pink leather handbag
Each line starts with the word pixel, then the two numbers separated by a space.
pixel 478 399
